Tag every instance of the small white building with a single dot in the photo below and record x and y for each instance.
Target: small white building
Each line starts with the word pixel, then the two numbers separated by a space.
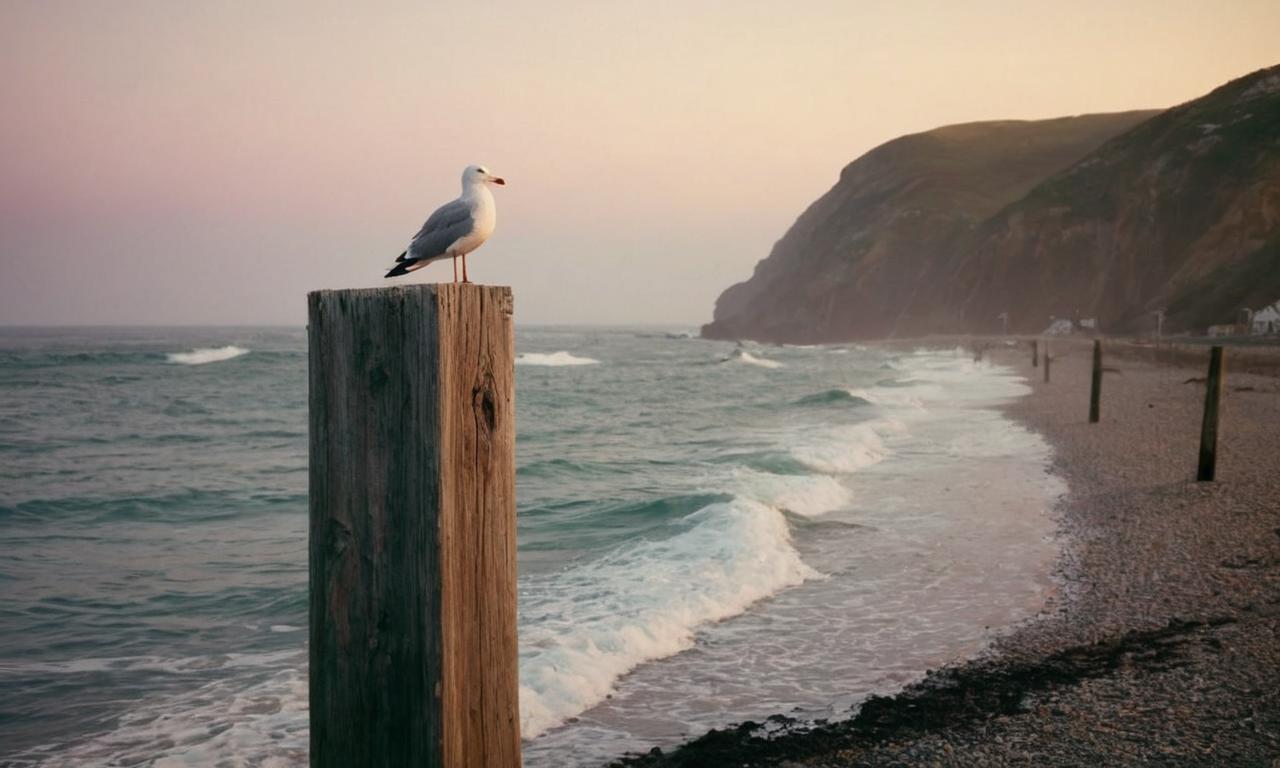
pixel 1059 327
pixel 1266 321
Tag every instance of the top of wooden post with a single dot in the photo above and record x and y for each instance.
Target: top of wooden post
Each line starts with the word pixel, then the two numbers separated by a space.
pixel 459 290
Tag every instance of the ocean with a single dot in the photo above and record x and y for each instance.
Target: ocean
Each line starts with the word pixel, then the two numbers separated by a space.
pixel 707 534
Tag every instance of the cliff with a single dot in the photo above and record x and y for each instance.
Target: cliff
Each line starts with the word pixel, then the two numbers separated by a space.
pixel 1109 215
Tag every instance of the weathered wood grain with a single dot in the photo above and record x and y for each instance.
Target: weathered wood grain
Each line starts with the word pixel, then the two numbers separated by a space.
pixel 412 527
pixel 477 375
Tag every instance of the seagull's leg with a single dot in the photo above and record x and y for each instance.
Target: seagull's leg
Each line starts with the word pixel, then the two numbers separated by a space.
pixel 455 267
pixel 464 269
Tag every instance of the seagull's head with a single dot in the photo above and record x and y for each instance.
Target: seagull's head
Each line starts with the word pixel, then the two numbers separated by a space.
pixel 479 174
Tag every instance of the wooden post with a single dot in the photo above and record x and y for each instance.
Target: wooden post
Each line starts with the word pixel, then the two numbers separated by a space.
pixel 1035 353
pixel 413 528
pixel 1095 394
pixel 1209 427
pixel 1046 362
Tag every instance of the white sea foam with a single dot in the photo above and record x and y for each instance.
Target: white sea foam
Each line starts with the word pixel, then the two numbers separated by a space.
pixel 597 621
pixel 203 355
pixel 220 722
pixel 959 380
pixel 807 495
pixel 174 665
pixel 560 358
pixel 847 449
pixel 887 396
pixel 996 437
pixel 750 359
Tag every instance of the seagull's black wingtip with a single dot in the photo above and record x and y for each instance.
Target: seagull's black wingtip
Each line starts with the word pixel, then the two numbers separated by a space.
pixel 401 268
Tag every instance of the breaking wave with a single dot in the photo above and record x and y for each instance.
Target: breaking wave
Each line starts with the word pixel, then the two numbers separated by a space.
pixel 743 356
pixel 554 359
pixel 643 601
pixel 203 355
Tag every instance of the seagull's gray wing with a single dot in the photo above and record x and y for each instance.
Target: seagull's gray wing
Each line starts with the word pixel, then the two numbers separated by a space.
pixel 447 224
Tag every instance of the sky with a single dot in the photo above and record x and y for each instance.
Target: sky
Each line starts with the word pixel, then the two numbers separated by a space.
pixel 211 162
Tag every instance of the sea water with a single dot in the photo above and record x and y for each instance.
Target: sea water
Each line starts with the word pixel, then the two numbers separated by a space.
pixel 707 534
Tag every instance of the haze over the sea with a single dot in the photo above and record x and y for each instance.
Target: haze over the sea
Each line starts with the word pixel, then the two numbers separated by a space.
pixel 209 163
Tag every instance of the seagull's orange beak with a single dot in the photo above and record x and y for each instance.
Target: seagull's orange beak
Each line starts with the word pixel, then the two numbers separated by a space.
pixel 499 181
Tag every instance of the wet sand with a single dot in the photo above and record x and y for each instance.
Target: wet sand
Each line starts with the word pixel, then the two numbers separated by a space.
pixel 1162 646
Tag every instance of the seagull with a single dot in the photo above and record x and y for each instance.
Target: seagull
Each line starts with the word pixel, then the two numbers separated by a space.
pixel 456 228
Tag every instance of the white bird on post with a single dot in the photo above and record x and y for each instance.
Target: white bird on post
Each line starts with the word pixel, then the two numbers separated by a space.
pixel 456 228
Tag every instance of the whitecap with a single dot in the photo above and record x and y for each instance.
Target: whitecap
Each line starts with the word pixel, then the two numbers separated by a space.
pixel 203 355
pixel 806 495
pixel 556 359
pixel 743 356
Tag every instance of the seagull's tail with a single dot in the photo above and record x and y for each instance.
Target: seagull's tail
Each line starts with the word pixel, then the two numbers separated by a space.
pixel 401 268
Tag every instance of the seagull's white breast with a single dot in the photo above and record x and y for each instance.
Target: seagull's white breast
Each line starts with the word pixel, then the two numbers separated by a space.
pixel 485 215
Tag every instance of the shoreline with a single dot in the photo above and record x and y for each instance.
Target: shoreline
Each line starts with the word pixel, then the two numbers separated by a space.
pixel 1162 643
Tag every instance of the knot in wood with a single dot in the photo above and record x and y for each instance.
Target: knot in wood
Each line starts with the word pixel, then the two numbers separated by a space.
pixel 482 402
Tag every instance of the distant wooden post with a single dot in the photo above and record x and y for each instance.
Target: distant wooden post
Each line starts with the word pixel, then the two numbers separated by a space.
pixel 413 528
pixel 1046 362
pixel 1095 394
pixel 1209 427
pixel 1035 353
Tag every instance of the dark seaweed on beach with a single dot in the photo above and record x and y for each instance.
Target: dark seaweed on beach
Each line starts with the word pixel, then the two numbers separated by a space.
pixel 946 698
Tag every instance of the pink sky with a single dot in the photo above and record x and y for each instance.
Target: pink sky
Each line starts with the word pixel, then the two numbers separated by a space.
pixel 211 162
